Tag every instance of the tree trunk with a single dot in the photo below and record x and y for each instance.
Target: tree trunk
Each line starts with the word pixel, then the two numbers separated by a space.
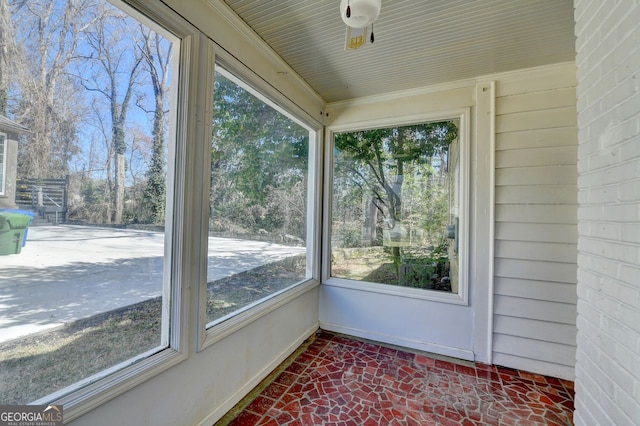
pixel 119 189
pixel 369 231
pixel 5 22
pixel 157 60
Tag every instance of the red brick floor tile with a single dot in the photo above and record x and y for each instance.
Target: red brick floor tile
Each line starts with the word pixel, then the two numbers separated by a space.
pixel 507 370
pixel 567 384
pixel 445 365
pixel 268 422
pixel 463 369
pixel 274 390
pixel 286 378
pixel 296 367
pixel 260 405
pixel 425 361
pixel 533 377
pixel 343 381
pixel 245 419
pixel 488 375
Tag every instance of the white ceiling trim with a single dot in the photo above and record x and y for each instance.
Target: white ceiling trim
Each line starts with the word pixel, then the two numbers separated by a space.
pixel 506 75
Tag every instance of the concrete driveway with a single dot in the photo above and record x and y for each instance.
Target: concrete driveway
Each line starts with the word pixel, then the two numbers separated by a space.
pixel 70 272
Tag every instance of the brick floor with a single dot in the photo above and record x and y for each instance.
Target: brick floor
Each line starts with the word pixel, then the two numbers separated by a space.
pixel 343 381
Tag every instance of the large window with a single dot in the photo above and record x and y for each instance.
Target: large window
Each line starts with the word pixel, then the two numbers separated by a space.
pixel 396 206
pixel 90 294
pixel 258 226
pixel 3 161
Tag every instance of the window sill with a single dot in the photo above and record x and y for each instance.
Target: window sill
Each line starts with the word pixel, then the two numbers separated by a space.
pixel 106 385
pixel 412 293
pixel 223 327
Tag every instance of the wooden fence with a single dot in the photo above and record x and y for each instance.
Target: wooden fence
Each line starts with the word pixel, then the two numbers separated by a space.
pixel 48 197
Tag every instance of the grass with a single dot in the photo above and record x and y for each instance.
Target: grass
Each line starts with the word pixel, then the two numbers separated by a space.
pixel 373 264
pixel 226 295
pixel 37 365
pixel 34 366
pixel 364 264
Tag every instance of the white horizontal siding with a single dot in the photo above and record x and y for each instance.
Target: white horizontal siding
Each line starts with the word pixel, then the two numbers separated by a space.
pixel 537 138
pixel 529 364
pixel 535 329
pixel 531 250
pixel 536 225
pixel 545 80
pixel 533 270
pixel 542 232
pixel 542 310
pixel 538 290
pixel 538 214
pixel 540 350
pixel 539 119
pixel 531 157
pixel 541 175
pixel 536 194
pixel 539 100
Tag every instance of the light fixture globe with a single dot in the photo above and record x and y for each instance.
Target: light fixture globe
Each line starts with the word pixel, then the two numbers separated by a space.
pixel 363 12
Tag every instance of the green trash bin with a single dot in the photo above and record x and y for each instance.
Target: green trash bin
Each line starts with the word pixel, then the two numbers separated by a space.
pixel 12 230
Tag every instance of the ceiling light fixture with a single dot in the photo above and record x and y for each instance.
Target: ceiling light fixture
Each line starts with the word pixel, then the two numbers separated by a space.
pixel 358 15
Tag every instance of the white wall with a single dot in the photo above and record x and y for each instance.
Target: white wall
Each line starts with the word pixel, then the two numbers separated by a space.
pixel 8 198
pixel 608 356
pixel 209 383
pixel 522 276
pixel 532 302
pixel 536 221
pixel 388 315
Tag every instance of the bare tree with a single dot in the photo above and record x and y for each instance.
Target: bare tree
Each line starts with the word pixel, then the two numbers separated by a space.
pixel 49 38
pixel 157 56
pixel 8 53
pixel 105 135
pixel 116 66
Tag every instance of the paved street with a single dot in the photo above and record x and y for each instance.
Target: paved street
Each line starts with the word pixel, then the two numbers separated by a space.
pixel 69 272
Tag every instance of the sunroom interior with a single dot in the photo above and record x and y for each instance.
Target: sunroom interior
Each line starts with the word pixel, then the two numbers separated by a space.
pixel 537 256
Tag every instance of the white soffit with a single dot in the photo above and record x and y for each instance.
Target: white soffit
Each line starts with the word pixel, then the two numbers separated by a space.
pixel 417 42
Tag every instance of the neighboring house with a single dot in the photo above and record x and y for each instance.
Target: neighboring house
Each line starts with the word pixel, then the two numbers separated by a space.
pixel 9 134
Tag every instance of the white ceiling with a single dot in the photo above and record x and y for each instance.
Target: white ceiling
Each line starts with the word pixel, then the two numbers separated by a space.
pixel 417 42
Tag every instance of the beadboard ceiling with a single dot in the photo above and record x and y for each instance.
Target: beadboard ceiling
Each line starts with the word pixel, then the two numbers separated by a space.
pixel 417 42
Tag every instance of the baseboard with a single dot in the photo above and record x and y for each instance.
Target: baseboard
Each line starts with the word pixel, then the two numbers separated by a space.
pixel 399 341
pixel 237 396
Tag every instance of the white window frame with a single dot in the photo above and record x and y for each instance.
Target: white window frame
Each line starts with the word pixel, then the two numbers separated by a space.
pixel 210 333
pixel 462 297
pixel 3 160
pixel 91 392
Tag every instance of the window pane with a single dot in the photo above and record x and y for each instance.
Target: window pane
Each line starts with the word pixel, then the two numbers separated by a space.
pixel 84 293
pixel 395 206
pixel 257 228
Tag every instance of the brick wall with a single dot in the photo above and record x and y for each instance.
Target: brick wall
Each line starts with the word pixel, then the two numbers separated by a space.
pixel 608 71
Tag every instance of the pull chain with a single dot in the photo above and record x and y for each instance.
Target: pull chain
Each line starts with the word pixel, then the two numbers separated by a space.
pixel 371 38
pixel 348 10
